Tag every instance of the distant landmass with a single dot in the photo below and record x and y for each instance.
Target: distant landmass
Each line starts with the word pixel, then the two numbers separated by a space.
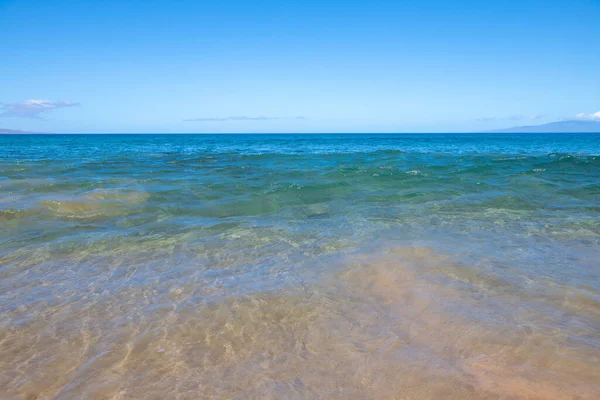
pixel 555 127
pixel 13 131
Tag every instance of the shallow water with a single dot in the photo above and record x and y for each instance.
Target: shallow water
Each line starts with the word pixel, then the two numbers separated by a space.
pixel 300 267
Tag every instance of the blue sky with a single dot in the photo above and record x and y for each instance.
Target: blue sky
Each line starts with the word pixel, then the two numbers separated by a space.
pixel 302 66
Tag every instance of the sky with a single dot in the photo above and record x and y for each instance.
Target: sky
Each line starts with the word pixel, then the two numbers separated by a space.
pixel 296 66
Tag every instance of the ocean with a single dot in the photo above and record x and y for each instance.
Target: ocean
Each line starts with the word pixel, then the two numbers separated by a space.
pixel 447 266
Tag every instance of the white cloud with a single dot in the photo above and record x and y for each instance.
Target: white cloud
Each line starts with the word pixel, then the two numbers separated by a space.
pixel 537 116
pixel 33 108
pixel 237 118
pixel 522 117
pixel 589 117
pixel 518 117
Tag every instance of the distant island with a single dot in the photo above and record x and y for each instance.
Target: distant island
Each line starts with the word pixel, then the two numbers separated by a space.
pixel 571 126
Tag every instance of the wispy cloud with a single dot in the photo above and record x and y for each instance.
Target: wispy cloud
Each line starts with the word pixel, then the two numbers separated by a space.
pixel 525 117
pixel 513 118
pixel 33 108
pixel 589 117
pixel 238 118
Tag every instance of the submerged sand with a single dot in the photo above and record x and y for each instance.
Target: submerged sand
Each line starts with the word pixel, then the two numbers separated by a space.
pixel 395 324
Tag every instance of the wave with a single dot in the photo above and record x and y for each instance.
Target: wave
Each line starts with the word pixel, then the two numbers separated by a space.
pixel 97 203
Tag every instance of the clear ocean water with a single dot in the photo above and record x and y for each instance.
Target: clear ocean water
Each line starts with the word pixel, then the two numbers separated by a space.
pixel 456 266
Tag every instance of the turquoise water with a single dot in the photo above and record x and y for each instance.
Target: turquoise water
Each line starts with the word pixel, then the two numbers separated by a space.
pixel 300 266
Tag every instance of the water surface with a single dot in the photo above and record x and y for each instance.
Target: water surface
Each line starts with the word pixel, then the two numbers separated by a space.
pixel 300 266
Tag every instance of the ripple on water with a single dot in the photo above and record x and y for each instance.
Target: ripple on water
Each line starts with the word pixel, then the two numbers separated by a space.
pixel 379 325
pixel 333 267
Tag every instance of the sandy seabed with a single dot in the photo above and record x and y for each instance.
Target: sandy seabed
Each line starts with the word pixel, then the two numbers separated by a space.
pixel 396 324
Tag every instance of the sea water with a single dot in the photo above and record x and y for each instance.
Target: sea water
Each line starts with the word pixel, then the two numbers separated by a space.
pixel 463 266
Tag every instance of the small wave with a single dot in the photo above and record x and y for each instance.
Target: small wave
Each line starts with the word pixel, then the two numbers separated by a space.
pixel 117 195
pixel 27 183
pixel 97 203
pixel 15 215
